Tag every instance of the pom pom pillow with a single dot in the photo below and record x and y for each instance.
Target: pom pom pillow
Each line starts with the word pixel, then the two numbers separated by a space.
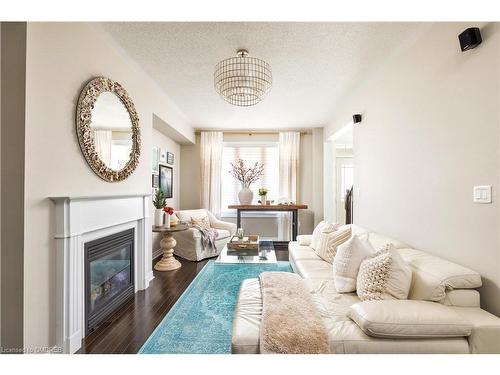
pixel 384 275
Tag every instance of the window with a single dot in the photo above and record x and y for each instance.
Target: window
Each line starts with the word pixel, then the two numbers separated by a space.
pixel 264 152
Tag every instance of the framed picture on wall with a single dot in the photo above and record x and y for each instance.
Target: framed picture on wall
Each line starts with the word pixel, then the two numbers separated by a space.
pixel 163 155
pixel 167 181
pixel 170 158
pixel 155 159
pixel 154 180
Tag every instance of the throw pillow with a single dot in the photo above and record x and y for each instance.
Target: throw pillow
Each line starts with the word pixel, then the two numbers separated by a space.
pixel 384 275
pixel 323 226
pixel 329 241
pixel 347 261
pixel 202 222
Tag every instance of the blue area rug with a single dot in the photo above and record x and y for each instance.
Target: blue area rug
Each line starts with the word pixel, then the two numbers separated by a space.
pixel 201 320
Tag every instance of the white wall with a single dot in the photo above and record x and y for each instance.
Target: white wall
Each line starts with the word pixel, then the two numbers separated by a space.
pixel 61 58
pixel 430 132
pixel 190 176
pixel 161 140
pixel 0 179
pixel 12 171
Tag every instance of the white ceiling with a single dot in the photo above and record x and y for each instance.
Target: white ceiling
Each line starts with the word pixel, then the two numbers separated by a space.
pixel 314 65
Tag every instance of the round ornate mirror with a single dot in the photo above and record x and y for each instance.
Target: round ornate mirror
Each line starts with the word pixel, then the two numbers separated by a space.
pixel 108 129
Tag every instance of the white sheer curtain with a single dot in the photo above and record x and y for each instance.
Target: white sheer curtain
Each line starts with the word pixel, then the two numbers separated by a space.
pixel 103 141
pixel 211 147
pixel 289 150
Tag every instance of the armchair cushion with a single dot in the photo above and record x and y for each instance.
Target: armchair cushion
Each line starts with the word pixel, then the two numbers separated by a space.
pixel 202 222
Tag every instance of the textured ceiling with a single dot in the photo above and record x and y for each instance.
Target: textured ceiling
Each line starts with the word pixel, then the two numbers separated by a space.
pixel 314 65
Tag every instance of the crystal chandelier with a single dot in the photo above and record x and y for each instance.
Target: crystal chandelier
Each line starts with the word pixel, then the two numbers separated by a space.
pixel 242 80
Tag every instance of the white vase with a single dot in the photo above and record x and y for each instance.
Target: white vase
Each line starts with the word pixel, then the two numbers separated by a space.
pixel 263 199
pixel 245 196
pixel 167 221
pixel 159 217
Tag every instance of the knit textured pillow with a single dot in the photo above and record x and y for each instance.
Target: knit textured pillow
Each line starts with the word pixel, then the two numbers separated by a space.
pixel 202 222
pixel 323 226
pixel 347 261
pixel 329 241
pixel 384 275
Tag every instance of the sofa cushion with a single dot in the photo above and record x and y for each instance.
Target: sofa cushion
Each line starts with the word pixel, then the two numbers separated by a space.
pixel 347 261
pixel 408 319
pixel 313 269
pixel 304 239
pixel 433 276
pixel 377 240
pixel 329 241
pixel 462 297
pixel 384 275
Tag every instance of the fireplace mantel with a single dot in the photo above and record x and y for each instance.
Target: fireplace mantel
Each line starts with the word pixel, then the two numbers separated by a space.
pixel 82 219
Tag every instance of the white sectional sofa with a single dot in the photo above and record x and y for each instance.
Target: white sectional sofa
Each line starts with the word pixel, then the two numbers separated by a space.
pixel 442 292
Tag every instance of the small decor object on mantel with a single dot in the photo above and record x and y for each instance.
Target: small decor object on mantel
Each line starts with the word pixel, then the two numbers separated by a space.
pixel 170 158
pixel 263 195
pixel 246 176
pixel 159 201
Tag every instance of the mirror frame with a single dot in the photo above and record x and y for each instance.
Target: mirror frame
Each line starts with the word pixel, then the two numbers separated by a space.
pixel 86 101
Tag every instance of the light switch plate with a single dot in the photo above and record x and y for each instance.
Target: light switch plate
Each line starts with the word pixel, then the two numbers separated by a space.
pixel 482 194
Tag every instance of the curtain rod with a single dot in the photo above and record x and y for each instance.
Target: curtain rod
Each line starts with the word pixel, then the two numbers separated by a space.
pixel 251 132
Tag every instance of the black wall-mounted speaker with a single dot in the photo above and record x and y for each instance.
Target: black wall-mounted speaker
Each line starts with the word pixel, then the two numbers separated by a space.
pixel 356 118
pixel 470 38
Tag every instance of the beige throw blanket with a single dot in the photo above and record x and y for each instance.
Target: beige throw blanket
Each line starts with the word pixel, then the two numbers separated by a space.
pixel 291 323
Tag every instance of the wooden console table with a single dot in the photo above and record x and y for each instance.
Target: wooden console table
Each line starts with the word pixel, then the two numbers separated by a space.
pixel 294 209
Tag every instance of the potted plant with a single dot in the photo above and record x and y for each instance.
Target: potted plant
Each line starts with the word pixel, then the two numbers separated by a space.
pixel 169 216
pixel 263 195
pixel 159 201
pixel 246 176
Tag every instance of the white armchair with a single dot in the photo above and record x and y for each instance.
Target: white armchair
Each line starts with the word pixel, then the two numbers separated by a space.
pixel 189 241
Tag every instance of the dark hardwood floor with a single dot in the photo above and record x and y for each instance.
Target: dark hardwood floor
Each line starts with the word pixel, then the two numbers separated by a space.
pixel 128 329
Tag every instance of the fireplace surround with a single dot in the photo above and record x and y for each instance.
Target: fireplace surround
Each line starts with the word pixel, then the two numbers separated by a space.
pixel 79 221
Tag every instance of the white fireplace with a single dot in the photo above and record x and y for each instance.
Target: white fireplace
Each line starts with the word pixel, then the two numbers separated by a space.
pixel 83 219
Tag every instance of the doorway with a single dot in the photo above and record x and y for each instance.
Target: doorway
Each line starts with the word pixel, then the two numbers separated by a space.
pixel 345 179
pixel 339 176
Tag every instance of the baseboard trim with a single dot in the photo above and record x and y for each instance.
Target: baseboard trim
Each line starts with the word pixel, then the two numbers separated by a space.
pixel 157 254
